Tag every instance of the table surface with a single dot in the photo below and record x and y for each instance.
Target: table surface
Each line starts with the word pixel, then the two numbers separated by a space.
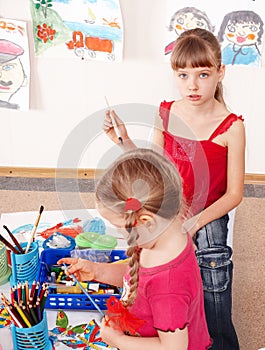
pixel 51 218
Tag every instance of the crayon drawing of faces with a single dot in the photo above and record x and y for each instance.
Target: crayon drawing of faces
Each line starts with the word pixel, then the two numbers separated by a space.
pixel 187 21
pixel 242 33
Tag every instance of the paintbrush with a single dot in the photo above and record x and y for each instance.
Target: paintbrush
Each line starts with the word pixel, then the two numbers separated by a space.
pixel 9 245
pixel 114 124
pixel 31 239
pixel 14 239
pixel 85 292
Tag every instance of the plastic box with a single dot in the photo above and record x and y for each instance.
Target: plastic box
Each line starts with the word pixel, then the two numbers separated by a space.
pixel 50 257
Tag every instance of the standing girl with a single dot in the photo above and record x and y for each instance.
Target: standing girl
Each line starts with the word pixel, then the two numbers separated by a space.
pixel 206 142
pixel 141 194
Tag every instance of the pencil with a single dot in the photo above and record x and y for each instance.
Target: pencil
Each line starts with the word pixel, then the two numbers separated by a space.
pixel 14 317
pixel 43 301
pixel 23 316
pixel 13 311
pixel 33 313
pixel 38 311
pixel 27 292
pixel 32 291
pixel 23 295
pixel 27 314
pixel 12 294
pixel 36 291
pixel 3 240
pixel 19 292
pixel 31 239
pixel 108 105
pixel 14 239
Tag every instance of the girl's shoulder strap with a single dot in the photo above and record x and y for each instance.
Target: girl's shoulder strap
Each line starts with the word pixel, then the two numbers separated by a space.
pixel 225 125
pixel 164 110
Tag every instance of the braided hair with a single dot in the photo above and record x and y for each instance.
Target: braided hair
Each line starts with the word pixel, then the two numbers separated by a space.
pixel 155 183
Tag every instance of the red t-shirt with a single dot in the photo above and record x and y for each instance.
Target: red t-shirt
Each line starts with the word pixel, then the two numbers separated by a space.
pixel 170 296
pixel 202 164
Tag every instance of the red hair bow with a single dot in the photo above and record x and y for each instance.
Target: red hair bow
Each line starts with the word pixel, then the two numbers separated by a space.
pixel 132 204
pixel 121 317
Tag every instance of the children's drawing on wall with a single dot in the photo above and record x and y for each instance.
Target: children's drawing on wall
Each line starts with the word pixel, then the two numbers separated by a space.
pixel 14 65
pixel 241 35
pixel 184 19
pixel 87 29
pixel 238 25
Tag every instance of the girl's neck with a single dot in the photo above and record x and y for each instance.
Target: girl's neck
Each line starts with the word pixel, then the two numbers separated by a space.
pixel 204 111
pixel 166 248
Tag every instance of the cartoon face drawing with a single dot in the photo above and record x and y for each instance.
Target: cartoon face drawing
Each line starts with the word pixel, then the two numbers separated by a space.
pixel 12 75
pixel 187 18
pixel 242 33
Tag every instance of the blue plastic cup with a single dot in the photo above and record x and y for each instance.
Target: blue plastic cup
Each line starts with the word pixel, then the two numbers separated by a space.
pixel 25 266
pixel 35 337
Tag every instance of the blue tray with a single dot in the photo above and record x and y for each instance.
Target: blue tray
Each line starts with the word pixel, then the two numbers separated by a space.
pixel 50 257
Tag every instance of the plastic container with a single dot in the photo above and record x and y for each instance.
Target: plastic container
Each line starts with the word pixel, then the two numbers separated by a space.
pixel 95 255
pixel 50 257
pixel 35 337
pixel 5 270
pixel 25 266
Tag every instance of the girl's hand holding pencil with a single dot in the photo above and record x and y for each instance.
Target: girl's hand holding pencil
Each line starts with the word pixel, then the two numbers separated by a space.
pixel 116 130
pixel 113 126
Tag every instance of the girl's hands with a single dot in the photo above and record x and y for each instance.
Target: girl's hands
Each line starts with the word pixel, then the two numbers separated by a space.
pixel 83 270
pixel 109 128
pixel 108 334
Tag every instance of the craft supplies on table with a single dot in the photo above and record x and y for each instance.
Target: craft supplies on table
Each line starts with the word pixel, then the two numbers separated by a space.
pixel 55 300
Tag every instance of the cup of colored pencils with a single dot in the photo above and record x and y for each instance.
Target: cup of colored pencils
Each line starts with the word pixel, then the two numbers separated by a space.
pixel 26 308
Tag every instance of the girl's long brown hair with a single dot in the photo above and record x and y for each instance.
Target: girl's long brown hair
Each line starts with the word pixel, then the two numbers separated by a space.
pixel 198 48
pixel 154 181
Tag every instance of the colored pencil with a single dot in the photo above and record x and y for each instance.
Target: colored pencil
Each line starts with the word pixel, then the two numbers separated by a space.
pixel 31 239
pixel 27 314
pixel 43 301
pixel 19 292
pixel 12 294
pixel 35 296
pixel 13 312
pixel 27 292
pixel 32 291
pixel 33 314
pixel 14 239
pixel 14 317
pixel 23 316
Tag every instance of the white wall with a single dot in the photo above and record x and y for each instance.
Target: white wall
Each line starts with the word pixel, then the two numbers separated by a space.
pixel 65 92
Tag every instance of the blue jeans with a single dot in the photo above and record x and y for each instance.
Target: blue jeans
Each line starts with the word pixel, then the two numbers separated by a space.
pixel 214 258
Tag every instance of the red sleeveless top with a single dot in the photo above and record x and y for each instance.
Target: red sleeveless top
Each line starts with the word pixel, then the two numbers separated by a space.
pixel 202 164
